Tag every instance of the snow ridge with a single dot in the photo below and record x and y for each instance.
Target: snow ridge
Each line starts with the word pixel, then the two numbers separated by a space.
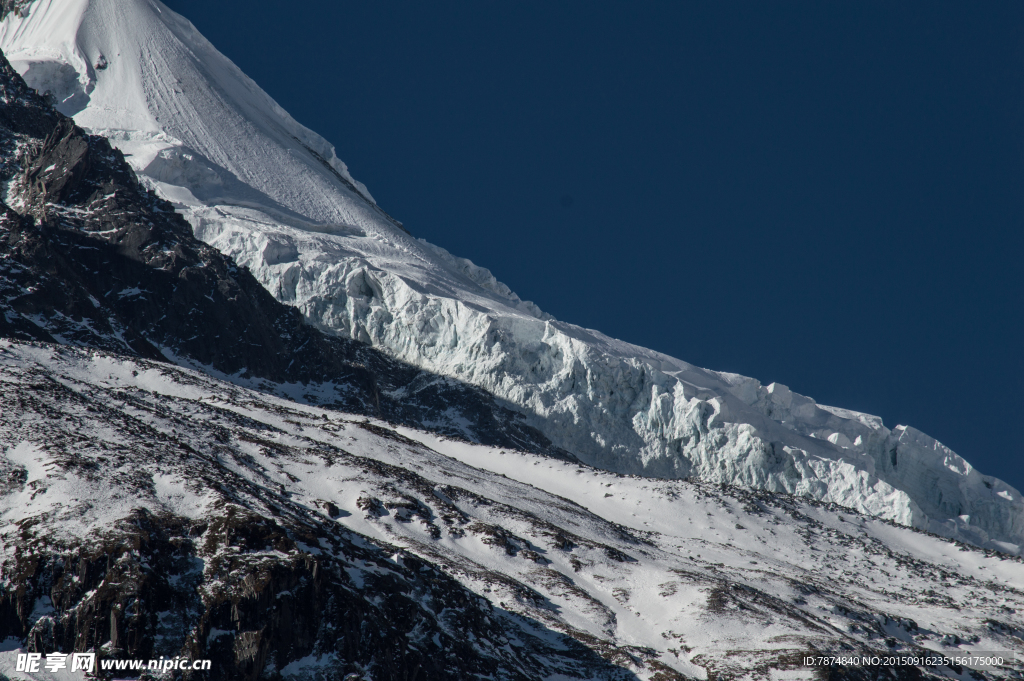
pixel 270 193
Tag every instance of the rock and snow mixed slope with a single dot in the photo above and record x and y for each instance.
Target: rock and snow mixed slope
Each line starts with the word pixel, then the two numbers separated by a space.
pixel 259 531
pixel 270 193
pixel 151 526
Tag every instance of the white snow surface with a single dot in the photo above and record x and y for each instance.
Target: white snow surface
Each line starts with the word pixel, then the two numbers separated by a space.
pixel 706 580
pixel 265 190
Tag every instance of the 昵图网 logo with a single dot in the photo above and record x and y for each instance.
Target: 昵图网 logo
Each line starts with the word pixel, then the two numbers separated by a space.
pixel 54 662
pixel 86 662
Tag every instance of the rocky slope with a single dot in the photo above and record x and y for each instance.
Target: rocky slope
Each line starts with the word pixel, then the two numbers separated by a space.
pixel 150 510
pixel 135 527
pixel 273 195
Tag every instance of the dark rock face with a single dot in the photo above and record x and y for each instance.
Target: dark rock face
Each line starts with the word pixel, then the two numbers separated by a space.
pixel 170 587
pixel 8 6
pixel 88 257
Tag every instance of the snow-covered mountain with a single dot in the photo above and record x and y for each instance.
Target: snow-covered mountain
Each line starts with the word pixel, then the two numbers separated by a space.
pixel 276 537
pixel 273 195
pixel 291 504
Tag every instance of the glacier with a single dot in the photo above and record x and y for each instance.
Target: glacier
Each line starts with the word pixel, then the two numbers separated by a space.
pixel 270 193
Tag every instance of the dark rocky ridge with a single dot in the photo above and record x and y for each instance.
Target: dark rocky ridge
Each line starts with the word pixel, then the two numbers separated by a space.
pixel 89 257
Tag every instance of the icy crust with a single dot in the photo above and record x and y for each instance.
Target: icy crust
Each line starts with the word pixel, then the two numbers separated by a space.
pixel 268 192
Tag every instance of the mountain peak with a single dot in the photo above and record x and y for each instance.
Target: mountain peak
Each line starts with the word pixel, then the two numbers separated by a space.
pixel 136 71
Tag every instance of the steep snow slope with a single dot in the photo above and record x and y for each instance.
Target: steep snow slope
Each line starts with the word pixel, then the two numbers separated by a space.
pixel 658 578
pixel 273 195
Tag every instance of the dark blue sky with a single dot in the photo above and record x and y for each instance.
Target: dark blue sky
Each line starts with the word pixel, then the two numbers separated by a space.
pixel 828 195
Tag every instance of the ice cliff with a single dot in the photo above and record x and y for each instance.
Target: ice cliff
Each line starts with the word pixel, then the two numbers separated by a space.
pixel 272 194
